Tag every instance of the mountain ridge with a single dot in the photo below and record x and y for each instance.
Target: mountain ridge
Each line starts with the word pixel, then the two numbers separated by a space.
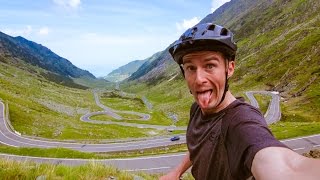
pixel 153 72
pixel 39 55
pixel 278 50
pixel 249 20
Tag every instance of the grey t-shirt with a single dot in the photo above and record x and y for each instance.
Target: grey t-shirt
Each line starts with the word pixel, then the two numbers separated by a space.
pixel 222 145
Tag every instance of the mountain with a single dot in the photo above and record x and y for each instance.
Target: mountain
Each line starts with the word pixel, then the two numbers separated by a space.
pixel 140 68
pixel 232 11
pixel 270 34
pixel 154 67
pixel 157 70
pixel 18 51
pixel 278 49
pixel 125 71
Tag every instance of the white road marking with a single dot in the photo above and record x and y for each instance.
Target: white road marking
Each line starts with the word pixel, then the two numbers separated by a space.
pixel 296 149
pixel 72 159
pixel 294 139
pixel 148 169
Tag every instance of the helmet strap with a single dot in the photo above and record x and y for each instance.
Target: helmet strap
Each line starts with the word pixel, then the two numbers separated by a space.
pixel 226 85
pixel 181 68
pixel 182 71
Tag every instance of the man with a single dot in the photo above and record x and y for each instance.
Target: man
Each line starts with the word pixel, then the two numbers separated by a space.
pixel 227 138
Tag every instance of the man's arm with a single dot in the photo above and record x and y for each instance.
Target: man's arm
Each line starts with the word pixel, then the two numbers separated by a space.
pixel 283 163
pixel 179 170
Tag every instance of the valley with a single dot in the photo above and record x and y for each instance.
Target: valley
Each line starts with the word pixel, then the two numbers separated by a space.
pixel 54 112
pixel 299 144
pixel 52 107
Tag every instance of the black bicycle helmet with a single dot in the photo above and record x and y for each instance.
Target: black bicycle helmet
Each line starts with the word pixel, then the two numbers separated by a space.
pixel 201 37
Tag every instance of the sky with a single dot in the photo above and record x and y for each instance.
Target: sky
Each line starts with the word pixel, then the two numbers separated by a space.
pixel 102 35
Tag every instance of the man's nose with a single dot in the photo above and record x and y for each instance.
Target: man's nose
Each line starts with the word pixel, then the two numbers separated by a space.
pixel 200 76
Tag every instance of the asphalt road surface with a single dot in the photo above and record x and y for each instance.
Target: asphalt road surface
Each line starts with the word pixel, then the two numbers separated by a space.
pixel 154 164
pixel 273 113
pixel 12 138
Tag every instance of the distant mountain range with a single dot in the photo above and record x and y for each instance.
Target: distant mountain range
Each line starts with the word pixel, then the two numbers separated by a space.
pixel 19 51
pixel 134 69
pixel 124 71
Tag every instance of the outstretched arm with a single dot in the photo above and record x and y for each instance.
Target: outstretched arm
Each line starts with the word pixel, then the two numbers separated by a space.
pixel 282 163
pixel 176 173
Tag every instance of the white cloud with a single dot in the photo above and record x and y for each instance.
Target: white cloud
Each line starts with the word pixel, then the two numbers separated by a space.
pixel 44 31
pixel 19 32
pixel 187 24
pixel 74 3
pixel 68 4
pixel 217 3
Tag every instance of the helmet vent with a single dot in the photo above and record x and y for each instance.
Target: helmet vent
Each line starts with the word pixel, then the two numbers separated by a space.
pixel 211 27
pixel 224 32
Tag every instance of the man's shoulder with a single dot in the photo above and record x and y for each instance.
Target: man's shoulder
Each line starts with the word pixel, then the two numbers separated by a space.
pixel 193 109
pixel 239 105
pixel 243 110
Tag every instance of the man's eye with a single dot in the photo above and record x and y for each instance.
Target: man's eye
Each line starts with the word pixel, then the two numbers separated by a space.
pixel 190 68
pixel 210 66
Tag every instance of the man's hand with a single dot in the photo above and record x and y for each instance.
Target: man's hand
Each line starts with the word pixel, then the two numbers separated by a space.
pixel 173 175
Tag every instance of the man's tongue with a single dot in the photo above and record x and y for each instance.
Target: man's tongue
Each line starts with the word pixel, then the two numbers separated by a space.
pixel 204 98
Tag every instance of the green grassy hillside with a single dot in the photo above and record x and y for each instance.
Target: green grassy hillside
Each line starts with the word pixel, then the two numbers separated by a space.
pixel 42 108
pixel 278 50
pixel 93 171
pixel 169 97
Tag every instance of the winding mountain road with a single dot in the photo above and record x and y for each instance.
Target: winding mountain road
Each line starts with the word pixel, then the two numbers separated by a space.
pixel 154 164
pixel 113 113
pixel 273 113
pixel 11 138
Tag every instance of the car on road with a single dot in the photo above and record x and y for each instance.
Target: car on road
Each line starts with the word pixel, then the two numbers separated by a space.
pixel 175 138
pixel 171 128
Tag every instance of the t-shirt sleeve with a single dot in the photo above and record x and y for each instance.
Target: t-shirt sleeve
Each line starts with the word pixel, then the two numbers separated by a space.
pixel 247 134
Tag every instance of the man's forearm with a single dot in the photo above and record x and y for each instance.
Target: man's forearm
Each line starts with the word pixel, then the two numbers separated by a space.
pixel 184 165
pixel 176 173
pixel 282 163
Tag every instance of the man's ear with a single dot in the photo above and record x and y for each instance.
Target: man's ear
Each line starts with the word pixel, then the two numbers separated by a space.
pixel 231 65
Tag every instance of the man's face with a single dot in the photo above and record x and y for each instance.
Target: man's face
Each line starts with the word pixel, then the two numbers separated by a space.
pixel 205 73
